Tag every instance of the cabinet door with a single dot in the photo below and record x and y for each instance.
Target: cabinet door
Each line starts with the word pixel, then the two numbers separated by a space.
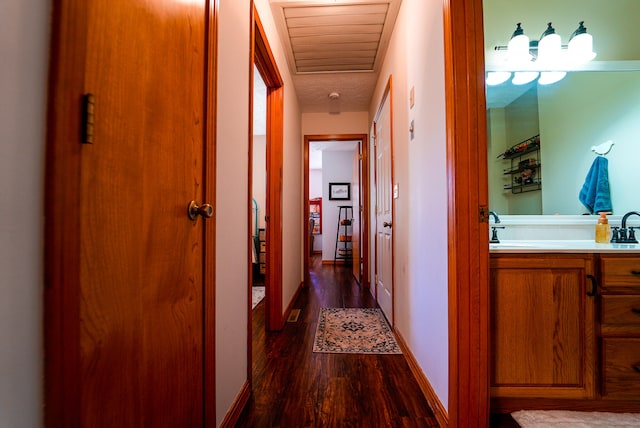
pixel 542 326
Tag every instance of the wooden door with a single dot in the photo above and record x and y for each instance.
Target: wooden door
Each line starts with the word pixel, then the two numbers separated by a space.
pixel 130 349
pixel 384 209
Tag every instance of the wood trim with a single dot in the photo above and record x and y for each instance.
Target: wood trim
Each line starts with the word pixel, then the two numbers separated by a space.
pixel 209 274
pixel 61 222
pixel 252 36
pixel 267 66
pixel 306 212
pixel 364 227
pixel 232 416
pixel 438 408
pixel 468 252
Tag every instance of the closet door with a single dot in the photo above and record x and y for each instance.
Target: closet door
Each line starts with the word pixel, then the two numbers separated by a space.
pixel 126 299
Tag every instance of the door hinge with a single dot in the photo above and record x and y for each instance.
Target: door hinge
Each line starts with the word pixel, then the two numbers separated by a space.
pixel 484 214
pixel 88 111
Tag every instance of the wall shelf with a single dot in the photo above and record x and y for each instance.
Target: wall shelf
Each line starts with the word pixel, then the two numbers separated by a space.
pixel 524 166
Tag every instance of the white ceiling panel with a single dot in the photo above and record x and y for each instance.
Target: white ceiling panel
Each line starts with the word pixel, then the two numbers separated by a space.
pixel 333 44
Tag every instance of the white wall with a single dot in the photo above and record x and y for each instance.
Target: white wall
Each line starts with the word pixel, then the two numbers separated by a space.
pixel 315 183
pixel 337 167
pixel 510 125
pixel 232 234
pixel 343 123
pixel 232 174
pixel 293 223
pixel 583 110
pixel 416 58
pixel 232 197
pixel 24 32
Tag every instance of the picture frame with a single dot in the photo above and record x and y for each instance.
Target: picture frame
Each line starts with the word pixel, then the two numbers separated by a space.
pixel 339 191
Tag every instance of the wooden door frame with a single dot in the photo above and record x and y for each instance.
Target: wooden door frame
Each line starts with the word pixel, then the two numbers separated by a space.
pixel 387 94
pixel 364 200
pixel 263 59
pixel 468 252
pixel 62 212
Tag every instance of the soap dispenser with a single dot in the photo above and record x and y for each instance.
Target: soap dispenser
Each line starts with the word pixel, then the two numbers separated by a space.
pixel 603 229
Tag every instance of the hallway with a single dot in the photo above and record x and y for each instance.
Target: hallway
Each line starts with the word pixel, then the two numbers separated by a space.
pixel 294 387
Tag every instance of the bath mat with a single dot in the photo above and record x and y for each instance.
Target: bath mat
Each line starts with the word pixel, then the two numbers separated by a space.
pixel 354 331
pixel 570 419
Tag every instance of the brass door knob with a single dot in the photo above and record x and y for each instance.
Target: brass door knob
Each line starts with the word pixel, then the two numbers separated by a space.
pixel 194 210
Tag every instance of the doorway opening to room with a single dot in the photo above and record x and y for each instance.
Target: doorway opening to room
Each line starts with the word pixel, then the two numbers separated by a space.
pixel 258 191
pixel 265 65
pixel 336 188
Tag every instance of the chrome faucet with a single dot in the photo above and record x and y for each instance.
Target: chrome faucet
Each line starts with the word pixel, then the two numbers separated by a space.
pixel 494 229
pixel 620 236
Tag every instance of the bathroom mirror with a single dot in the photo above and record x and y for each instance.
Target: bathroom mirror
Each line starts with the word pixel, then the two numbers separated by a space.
pixel 595 102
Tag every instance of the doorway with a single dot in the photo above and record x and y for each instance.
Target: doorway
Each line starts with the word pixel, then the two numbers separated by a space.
pixel 322 213
pixel 258 164
pixel 264 62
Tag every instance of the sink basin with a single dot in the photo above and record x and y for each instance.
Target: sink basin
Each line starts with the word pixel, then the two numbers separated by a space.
pixel 560 246
pixel 513 245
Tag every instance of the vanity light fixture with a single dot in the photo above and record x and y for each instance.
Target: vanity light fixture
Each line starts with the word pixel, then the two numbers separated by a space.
pixel 549 47
pixel 543 58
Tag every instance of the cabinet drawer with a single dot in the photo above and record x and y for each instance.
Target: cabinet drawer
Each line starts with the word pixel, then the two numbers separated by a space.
pixel 621 369
pixel 620 311
pixel 620 272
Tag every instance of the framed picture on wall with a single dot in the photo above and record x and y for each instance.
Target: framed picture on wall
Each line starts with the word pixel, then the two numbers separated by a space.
pixel 339 191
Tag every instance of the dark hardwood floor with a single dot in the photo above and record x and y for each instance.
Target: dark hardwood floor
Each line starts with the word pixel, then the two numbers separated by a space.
pixel 295 387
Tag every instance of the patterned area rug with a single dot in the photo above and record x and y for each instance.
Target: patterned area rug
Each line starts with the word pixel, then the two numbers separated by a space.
pixel 567 419
pixel 354 331
pixel 257 296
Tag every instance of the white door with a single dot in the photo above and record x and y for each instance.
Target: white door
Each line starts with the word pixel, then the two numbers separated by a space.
pixel 384 212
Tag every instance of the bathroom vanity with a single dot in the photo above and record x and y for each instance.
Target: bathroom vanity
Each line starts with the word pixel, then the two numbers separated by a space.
pixel 565 325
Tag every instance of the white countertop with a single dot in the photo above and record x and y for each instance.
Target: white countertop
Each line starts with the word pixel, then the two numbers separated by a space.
pixel 560 246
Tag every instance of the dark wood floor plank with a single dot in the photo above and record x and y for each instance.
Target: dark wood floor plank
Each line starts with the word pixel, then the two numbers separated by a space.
pixel 295 387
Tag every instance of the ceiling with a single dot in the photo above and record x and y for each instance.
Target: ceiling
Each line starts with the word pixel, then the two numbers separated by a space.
pixel 335 46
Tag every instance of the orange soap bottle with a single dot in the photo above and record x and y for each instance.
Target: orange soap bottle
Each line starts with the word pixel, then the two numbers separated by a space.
pixel 603 229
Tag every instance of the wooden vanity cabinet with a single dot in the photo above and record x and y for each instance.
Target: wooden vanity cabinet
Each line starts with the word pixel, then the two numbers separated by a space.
pixel 542 337
pixel 620 327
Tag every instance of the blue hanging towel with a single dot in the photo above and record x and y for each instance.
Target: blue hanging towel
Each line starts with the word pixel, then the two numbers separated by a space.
pixel 595 194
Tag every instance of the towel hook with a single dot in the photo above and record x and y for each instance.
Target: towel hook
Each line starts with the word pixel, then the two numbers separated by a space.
pixel 602 149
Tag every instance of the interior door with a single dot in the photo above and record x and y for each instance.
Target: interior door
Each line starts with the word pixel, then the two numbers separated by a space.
pixel 384 210
pixel 138 340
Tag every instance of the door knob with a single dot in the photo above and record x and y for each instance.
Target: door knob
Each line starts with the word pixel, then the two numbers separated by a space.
pixel 386 224
pixel 194 210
